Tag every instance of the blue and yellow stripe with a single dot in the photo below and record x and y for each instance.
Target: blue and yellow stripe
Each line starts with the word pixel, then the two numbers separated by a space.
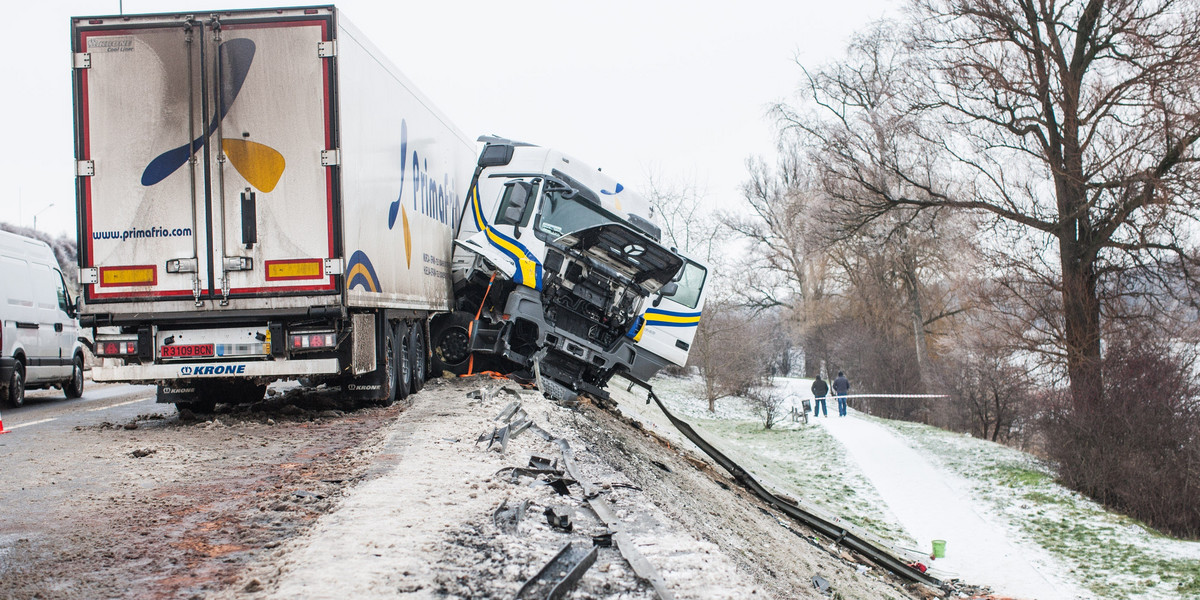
pixel 360 273
pixel 529 270
pixel 655 317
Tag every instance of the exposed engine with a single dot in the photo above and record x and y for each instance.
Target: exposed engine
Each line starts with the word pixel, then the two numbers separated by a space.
pixel 588 299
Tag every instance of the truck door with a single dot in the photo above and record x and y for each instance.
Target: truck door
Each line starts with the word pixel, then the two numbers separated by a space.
pixel 191 138
pixel 669 329
pixel 139 125
pixel 272 186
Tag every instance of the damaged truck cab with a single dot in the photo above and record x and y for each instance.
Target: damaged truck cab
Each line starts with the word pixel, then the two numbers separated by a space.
pixel 555 266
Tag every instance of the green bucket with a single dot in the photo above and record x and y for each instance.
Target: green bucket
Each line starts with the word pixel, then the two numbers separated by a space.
pixel 939 548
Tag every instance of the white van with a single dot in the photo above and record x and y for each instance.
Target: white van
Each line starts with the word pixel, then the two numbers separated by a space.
pixel 39 335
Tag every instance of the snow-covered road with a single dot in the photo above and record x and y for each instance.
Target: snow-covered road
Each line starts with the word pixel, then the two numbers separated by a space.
pixel 932 503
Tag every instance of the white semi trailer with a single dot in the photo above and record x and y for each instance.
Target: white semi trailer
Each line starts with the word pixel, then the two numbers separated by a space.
pixel 262 195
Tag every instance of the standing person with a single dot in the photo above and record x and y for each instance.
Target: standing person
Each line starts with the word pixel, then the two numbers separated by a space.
pixel 819 389
pixel 841 385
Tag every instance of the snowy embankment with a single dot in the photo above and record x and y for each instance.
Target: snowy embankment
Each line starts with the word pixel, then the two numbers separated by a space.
pixel 1007 524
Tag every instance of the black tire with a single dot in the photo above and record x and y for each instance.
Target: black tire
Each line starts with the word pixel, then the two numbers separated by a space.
pixel 451 343
pixel 403 352
pixel 16 386
pixel 416 343
pixel 73 387
pixel 390 350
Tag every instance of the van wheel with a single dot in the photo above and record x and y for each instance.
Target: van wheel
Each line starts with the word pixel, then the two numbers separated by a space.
pixel 74 387
pixel 16 386
pixel 416 341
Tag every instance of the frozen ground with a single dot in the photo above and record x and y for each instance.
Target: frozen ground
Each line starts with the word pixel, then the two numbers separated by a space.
pixel 1006 522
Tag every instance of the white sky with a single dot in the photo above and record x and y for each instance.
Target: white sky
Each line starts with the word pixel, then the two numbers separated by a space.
pixel 671 88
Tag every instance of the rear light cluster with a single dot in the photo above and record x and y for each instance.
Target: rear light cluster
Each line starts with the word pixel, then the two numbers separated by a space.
pixel 117 348
pixel 313 340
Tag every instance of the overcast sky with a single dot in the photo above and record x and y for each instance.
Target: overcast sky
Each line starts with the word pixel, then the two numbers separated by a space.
pixel 675 89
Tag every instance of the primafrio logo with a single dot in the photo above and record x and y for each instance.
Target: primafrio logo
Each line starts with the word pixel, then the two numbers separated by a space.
pixel 259 164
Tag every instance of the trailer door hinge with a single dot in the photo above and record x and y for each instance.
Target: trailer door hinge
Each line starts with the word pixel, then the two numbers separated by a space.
pixel 85 168
pixel 326 49
pixel 82 60
pixel 333 266
pixel 89 275
pixel 330 158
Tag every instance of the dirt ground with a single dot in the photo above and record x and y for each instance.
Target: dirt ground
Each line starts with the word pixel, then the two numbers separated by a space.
pixel 175 508
pixel 303 497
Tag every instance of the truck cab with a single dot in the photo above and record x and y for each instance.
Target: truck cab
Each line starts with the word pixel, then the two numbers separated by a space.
pixel 554 263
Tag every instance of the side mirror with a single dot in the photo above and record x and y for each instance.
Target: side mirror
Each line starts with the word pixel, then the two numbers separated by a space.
pixel 73 306
pixel 669 289
pixel 496 155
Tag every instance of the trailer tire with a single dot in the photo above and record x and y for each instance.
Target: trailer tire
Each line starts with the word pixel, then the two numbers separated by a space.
pixel 391 351
pixel 451 343
pixel 416 342
pixel 402 350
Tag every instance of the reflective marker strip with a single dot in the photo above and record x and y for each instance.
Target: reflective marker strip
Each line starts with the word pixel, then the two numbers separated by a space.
pixel 301 268
pixel 127 276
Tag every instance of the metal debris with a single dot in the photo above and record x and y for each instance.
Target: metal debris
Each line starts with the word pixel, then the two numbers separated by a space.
pixel 508 411
pixel 541 462
pixel 821 584
pixel 559 518
pixel 506 518
pixel 559 575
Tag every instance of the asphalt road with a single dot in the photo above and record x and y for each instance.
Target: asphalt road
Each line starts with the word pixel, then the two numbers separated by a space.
pixel 49 411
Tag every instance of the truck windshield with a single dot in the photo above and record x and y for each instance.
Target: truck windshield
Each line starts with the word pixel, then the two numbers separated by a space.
pixel 562 215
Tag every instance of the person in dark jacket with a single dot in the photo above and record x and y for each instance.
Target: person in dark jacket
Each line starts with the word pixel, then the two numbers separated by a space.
pixel 819 390
pixel 841 386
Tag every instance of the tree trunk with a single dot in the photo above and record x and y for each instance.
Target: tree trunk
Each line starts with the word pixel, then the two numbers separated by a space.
pixel 1081 323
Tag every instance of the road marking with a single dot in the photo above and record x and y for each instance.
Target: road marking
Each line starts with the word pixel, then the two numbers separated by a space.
pixel 39 422
pixel 10 428
pixel 128 402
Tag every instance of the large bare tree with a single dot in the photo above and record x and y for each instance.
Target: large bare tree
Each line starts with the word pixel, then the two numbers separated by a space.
pixel 1074 120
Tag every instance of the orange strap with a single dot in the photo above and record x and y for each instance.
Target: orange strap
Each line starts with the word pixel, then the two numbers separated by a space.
pixel 471 361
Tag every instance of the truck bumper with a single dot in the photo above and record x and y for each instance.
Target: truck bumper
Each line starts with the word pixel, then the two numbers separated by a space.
pixel 199 370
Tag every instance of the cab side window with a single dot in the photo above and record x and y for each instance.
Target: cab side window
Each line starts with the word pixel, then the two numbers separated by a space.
pixel 691 283
pixel 516 205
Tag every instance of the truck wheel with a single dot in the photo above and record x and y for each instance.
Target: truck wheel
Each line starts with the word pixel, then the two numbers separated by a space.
pixel 391 351
pixel 416 342
pixel 73 388
pixel 451 343
pixel 403 352
pixel 16 386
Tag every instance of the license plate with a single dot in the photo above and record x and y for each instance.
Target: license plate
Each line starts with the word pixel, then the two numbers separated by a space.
pixel 186 350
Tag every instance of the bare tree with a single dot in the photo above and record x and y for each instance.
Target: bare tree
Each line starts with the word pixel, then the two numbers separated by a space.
pixel 767 404
pixel 732 349
pixel 1072 120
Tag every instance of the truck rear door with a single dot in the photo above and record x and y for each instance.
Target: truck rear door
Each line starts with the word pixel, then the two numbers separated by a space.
pixel 205 156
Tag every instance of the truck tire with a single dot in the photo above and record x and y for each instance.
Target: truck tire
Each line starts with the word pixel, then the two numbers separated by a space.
pixel 73 388
pixel 391 352
pixel 416 343
pixel 403 382
pixel 451 343
pixel 16 386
